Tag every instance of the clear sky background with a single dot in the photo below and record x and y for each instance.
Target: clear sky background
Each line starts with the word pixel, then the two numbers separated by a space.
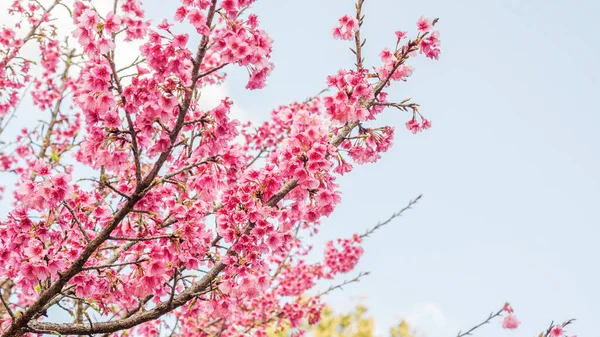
pixel 510 170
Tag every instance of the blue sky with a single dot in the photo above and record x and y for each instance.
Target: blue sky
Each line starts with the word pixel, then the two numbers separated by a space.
pixel 509 171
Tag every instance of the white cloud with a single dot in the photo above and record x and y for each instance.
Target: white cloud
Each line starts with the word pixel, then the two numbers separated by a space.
pixel 428 319
pixel 125 52
pixel 213 94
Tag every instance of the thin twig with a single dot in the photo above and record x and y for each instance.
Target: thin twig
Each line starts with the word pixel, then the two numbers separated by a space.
pixel 116 190
pixel 492 316
pixel 395 215
pixel 357 41
pixel 208 72
pixel 114 265
pixel 400 106
pixel 258 156
pixel 188 167
pixel 150 238
pixel 81 228
pixel 12 315
pixel 339 286
pixel 310 98
pixel 549 330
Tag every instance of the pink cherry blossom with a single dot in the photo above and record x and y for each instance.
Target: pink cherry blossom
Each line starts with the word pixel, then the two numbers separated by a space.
pixel 430 46
pixel 140 196
pixel 557 331
pixel 510 322
pixel 345 31
pixel 507 308
pixel 112 23
pixel 413 126
pixel 387 57
pixel 401 35
pixel 425 124
pixel 424 24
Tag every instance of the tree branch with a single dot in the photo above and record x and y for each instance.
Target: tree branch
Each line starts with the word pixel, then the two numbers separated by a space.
pixel 6 306
pixel 150 238
pixel 395 215
pixel 358 43
pixel 339 286
pixel 87 238
pixel 208 72
pixel 492 316
pixel 23 322
pixel 113 265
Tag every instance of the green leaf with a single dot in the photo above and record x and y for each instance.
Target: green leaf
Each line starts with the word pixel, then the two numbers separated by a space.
pixel 55 156
pixel 192 303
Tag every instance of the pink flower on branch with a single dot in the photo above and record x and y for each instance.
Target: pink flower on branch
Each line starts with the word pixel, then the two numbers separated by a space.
pixel 424 24
pixel 557 331
pixel 510 322
pixel 182 211
pixel 345 31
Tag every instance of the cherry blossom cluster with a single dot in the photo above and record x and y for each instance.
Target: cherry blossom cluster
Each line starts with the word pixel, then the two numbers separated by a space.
pixel 185 219
pixel 510 320
pixel 246 45
pixel 96 35
pixel 367 146
pixel 352 89
pixel 430 45
pixel 557 330
pixel 144 209
pixel 33 22
pixel 344 258
pixel 345 31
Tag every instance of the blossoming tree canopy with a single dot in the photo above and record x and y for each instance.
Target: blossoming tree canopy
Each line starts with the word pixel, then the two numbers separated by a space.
pixel 132 246
pixel 186 220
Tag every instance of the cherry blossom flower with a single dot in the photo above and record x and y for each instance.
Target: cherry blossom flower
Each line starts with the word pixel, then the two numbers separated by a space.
pixel 557 331
pixel 510 322
pixel 345 31
pixel 174 190
pixel 424 24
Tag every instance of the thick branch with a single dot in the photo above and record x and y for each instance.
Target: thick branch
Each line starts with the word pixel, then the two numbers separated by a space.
pixel 22 323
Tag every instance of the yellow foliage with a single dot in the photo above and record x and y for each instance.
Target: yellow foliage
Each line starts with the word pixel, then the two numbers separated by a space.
pixel 401 330
pixel 353 324
pixel 356 323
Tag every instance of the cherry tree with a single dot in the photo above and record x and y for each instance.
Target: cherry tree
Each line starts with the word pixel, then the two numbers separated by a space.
pixel 184 221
